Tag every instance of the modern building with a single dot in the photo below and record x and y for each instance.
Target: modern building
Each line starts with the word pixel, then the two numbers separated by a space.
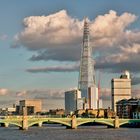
pixel 86 83
pixel 73 101
pixel 120 89
pixel 128 108
pixel 93 97
pixel 33 106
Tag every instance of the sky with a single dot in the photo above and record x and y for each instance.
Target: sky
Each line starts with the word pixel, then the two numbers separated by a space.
pixel 40 46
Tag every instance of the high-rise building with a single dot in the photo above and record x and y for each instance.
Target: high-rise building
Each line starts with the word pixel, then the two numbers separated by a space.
pixel 87 75
pixel 89 98
pixel 93 97
pixel 120 88
pixel 72 101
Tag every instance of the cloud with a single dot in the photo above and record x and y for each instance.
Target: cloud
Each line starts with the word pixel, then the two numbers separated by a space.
pixel 3 91
pixel 41 93
pixel 51 98
pixel 107 30
pixel 126 59
pixel 61 68
pixel 59 37
pixel 53 37
pixel 21 93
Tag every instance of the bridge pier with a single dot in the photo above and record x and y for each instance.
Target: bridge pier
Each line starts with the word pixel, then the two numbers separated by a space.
pixel 73 122
pixel 40 124
pixel 116 122
pixel 25 119
pixel 6 125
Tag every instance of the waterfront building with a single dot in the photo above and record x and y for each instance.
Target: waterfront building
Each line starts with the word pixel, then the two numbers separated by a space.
pixel 7 111
pixel 128 108
pixel 72 101
pixel 33 106
pixel 120 89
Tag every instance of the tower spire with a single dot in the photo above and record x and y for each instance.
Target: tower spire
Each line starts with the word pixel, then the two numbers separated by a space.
pixel 86 75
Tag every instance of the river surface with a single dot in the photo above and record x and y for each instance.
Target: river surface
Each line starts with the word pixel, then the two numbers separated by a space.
pixel 61 133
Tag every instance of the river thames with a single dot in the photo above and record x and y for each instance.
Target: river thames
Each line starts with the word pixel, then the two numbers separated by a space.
pixel 61 133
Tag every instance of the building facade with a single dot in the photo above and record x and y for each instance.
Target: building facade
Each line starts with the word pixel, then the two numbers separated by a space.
pixel 128 108
pixel 32 106
pixel 120 89
pixel 93 97
pixel 72 101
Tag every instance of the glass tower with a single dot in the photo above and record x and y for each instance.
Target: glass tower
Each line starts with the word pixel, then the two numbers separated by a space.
pixel 86 74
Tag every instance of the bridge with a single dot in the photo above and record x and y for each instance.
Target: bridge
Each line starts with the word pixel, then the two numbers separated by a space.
pixel 24 122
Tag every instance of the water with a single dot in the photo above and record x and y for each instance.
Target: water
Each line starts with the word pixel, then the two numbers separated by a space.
pixel 61 133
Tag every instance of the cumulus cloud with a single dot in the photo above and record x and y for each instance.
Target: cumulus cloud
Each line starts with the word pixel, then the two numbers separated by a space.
pixel 107 30
pixel 53 37
pixel 57 29
pixel 58 37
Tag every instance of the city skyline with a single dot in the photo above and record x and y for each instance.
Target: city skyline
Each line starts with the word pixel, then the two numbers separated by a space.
pixel 40 45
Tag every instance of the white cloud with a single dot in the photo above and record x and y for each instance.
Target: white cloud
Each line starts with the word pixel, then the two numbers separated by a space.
pixel 59 36
pixel 45 31
pixel 3 91
pixel 108 30
pixel 21 93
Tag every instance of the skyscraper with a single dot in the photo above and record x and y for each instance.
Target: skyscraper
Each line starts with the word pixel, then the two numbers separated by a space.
pixel 87 74
pixel 87 97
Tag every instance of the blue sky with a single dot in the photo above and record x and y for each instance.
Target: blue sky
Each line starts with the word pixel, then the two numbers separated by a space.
pixel 17 73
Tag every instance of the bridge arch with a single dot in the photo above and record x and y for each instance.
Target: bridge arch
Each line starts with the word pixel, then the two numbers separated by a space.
pixel 104 122
pixel 126 122
pixel 16 124
pixel 96 121
pixel 11 123
pixel 53 121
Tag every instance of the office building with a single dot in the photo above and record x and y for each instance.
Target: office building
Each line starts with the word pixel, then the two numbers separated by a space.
pixel 73 101
pixel 33 106
pixel 120 88
pixel 93 97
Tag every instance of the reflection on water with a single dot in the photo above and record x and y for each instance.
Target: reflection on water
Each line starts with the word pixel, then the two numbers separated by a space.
pixel 57 132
